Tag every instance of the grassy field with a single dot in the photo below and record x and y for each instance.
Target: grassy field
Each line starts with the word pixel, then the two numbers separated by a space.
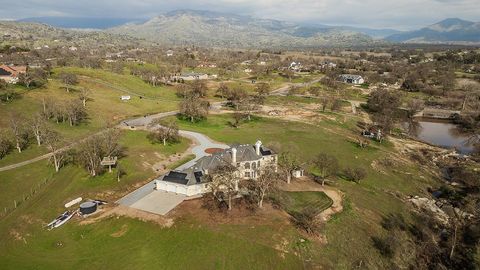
pixel 140 155
pixel 349 232
pixel 118 243
pixel 104 107
pixel 131 244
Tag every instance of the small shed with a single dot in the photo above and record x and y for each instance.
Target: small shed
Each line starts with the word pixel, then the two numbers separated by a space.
pixel 298 173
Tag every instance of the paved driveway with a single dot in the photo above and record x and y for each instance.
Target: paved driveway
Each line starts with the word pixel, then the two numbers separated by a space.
pixel 148 199
pixel 159 202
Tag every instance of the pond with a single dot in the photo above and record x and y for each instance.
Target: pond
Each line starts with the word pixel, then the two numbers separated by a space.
pixel 441 133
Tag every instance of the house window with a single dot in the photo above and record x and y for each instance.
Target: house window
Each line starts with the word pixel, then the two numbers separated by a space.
pixel 247 165
pixel 247 174
pixel 258 164
pixel 254 165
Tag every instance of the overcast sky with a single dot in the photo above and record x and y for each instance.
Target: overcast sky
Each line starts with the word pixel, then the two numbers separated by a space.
pixel 400 14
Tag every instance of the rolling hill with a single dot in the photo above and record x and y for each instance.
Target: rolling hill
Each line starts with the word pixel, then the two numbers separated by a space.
pixel 207 28
pixel 455 31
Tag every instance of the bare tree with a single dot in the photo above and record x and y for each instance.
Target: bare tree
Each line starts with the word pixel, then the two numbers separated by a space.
pixel 324 101
pixel 288 163
pixel 266 181
pixel 84 96
pixel 165 133
pixel 224 183
pixel 326 165
pixel 237 96
pixel 223 90
pixel 38 126
pixel 75 112
pixel 355 174
pixel 194 108
pixel 109 142
pixel 19 132
pixel 90 155
pixel 5 146
pixel 263 89
pixel 69 79
pixel 54 142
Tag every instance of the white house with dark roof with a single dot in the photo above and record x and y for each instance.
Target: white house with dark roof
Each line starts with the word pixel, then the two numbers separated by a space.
pixel 350 78
pixel 248 159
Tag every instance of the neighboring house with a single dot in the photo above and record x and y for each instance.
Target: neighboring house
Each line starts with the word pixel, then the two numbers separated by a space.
pixel 169 53
pixel 10 73
pixel 248 70
pixel 295 66
pixel 125 98
pixel 192 76
pixel 327 64
pixel 353 79
pixel 248 159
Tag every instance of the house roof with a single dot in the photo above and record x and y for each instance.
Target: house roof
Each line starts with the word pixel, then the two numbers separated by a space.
pixel 186 177
pixel 350 77
pixel 245 152
pixel 194 175
pixel 12 70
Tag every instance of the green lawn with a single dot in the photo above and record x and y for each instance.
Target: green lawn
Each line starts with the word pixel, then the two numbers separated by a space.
pixel 298 202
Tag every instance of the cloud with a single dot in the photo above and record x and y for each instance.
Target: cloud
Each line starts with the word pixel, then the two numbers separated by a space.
pixel 403 14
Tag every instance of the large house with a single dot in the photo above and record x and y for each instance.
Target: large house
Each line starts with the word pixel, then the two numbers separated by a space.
pixel 354 79
pixel 10 73
pixel 248 160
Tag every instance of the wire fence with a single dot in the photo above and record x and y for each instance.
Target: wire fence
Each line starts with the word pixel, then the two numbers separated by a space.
pixel 17 202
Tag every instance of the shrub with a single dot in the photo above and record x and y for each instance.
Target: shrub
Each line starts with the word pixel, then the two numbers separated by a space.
pixel 355 174
pixel 307 220
pixel 5 146
pixel 386 246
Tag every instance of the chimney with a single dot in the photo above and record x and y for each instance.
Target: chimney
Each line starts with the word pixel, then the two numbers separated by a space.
pixel 234 156
pixel 258 144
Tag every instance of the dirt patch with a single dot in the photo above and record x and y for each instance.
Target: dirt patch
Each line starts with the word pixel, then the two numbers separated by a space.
pixel 126 211
pixel 239 215
pixel 120 232
pixel 17 236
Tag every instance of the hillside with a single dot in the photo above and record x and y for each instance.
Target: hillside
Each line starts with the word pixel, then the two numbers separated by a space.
pixel 36 34
pixel 229 30
pixel 447 31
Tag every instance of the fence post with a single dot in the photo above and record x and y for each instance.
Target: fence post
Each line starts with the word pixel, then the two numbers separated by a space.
pixel 15 203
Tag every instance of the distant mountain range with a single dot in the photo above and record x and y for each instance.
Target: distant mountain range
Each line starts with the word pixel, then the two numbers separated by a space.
pixel 222 29
pixel 208 28
pixel 447 31
pixel 81 22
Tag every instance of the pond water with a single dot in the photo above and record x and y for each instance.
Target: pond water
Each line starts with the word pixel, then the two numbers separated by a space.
pixel 441 133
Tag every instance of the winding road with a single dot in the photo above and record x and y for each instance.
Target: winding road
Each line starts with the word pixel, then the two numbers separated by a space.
pixel 148 119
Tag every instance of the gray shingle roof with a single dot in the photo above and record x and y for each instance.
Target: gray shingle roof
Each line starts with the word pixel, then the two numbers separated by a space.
pixel 194 175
